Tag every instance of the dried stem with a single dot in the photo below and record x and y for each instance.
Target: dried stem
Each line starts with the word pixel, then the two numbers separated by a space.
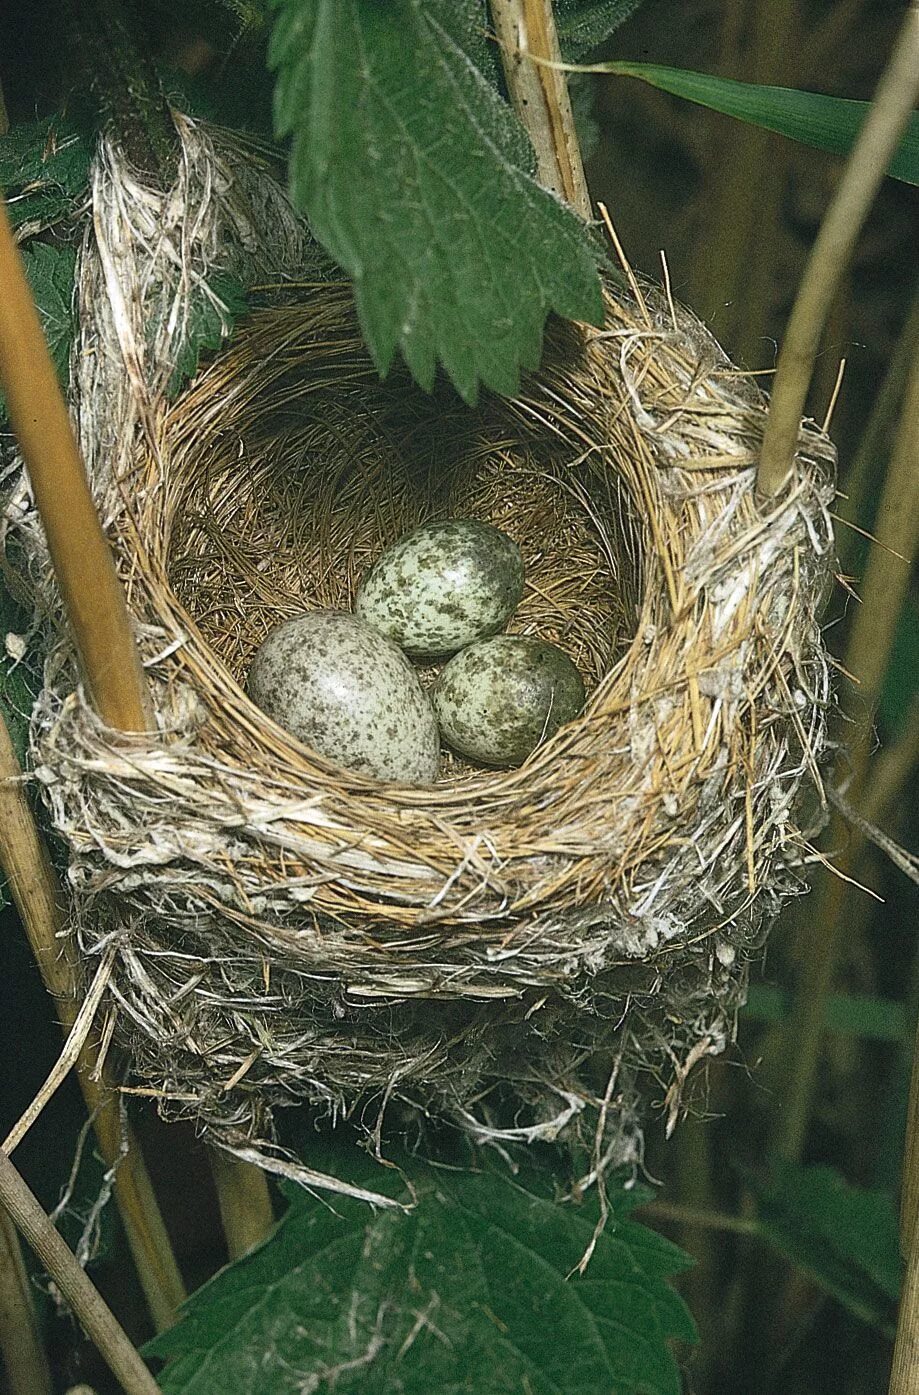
pixel 83 564
pixel 94 1314
pixel 867 654
pixel 82 559
pixel 878 139
pixel 24 1359
pixel 539 92
pixel 33 887
pixel 245 1203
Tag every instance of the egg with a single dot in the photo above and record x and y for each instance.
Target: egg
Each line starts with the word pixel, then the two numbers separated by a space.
pixel 443 586
pixel 498 699
pixel 347 691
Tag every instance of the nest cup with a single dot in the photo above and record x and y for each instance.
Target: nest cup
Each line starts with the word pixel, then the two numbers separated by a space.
pixel 529 953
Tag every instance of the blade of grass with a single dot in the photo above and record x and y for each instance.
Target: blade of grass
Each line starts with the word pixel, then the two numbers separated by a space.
pixel 828 123
pixel 904 1376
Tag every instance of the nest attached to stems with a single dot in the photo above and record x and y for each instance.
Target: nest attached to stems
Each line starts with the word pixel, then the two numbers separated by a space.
pixel 529 953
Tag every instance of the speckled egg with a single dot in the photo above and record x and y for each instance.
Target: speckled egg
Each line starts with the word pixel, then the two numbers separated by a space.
pixel 498 699
pixel 443 586
pixel 347 691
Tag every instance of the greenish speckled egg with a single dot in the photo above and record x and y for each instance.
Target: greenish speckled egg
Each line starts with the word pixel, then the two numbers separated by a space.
pixel 347 691
pixel 443 586
pixel 498 699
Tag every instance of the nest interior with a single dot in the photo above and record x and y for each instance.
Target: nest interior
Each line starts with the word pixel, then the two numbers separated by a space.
pixel 521 951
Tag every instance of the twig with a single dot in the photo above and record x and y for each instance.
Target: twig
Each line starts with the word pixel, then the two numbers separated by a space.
pixel 34 890
pixel 867 655
pixel 878 139
pixel 94 1314
pixel 83 563
pixel 904 1377
pixel 24 1359
pixel 539 92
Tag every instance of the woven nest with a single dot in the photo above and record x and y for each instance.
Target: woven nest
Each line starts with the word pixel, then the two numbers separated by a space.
pixel 528 953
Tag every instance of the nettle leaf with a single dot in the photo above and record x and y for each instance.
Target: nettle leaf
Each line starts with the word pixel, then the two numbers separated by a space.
pixel 468 1291
pixel 212 313
pixel 828 123
pixel 51 270
pixel 845 1237
pixel 417 178
pixel 44 170
pixel 585 24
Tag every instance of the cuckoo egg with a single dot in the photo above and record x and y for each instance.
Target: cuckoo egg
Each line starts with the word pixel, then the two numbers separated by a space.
pixel 443 586
pixel 348 692
pixel 498 699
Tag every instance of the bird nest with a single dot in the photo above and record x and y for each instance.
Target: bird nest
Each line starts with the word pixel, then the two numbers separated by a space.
pixel 530 952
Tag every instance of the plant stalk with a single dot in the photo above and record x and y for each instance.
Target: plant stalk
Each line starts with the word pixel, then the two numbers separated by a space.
pixel 94 1314
pixel 34 890
pixel 245 1202
pixel 83 562
pixel 24 1358
pixel 890 111
pixel 867 654
pixel 539 93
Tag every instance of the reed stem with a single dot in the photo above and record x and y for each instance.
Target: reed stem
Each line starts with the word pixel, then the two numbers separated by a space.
pixel 94 1314
pixel 867 654
pixel 890 111
pixel 33 887
pixel 24 1358
pixel 83 563
pixel 539 93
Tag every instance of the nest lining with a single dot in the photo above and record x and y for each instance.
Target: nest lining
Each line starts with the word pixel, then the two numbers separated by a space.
pixel 525 951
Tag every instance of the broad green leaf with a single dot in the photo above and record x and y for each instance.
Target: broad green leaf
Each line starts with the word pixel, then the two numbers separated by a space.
pixel 211 316
pixel 899 691
pixel 44 170
pixel 845 1237
pixel 51 269
pixel 467 1292
pixel 829 123
pixel 416 177
pixel 585 24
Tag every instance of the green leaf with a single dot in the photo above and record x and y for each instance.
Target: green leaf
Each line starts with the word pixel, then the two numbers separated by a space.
pixel 899 691
pixel 829 123
pixel 467 1292
pixel 585 24
pixel 416 177
pixel 211 316
pixel 44 170
pixel 845 1237
pixel 51 268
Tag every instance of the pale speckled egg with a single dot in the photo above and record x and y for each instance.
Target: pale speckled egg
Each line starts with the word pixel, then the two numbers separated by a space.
pixel 498 699
pixel 443 586
pixel 347 691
